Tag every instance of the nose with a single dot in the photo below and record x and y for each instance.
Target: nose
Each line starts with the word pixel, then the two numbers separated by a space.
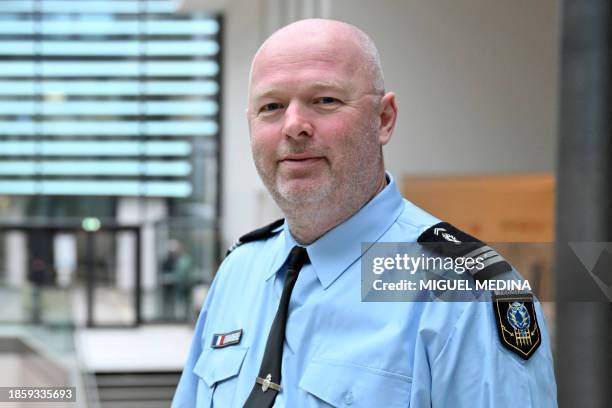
pixel 297 124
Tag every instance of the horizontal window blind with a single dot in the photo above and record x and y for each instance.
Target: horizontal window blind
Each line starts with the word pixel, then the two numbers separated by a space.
pixel 106 98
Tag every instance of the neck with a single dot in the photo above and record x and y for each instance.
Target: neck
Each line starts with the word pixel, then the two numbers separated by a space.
pixel 308 223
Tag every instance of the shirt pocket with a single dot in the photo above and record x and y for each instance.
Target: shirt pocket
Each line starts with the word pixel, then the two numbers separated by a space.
pixel 342 384
pixel 218 370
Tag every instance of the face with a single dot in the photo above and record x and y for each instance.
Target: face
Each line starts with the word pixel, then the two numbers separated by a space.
pixel 314 122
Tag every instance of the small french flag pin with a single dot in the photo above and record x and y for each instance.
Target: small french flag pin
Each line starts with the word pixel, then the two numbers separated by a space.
pixel 226 339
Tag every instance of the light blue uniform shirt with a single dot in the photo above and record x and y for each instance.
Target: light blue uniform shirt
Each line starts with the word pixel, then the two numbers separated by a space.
pixel 340 351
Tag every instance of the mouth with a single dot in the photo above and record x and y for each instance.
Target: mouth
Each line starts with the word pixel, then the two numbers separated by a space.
pixel 301 160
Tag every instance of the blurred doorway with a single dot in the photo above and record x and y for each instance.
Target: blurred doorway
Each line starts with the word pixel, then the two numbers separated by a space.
pixel 88 275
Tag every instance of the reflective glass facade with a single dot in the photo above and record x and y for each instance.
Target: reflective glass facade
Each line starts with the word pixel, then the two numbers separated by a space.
pixel 109 116
pixel 85 82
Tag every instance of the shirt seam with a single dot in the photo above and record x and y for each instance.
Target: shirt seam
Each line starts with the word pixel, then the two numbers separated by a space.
pixel 377 371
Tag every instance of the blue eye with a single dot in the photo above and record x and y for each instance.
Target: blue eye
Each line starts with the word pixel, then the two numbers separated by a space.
pixel 269 107
pixel 326 100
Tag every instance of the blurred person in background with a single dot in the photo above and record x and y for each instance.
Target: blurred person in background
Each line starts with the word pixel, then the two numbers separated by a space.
pixel 40 275
pixel 177 281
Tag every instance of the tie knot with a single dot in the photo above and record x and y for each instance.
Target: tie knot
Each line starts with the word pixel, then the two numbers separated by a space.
pixel 298 257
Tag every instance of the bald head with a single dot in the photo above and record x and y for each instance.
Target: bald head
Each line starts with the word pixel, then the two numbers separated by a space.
pixel 312 33
pixel 318 118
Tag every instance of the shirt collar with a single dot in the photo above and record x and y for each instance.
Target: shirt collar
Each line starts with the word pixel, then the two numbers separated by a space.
pixel 340 247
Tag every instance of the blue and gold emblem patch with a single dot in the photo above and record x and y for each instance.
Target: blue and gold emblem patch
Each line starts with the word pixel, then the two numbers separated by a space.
pixel 517 324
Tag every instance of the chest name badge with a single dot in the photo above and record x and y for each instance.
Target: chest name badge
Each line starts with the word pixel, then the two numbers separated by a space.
pixel 226 339
pixel 517 324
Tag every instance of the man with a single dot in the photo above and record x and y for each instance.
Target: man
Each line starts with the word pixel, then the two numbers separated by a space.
pixel 283 324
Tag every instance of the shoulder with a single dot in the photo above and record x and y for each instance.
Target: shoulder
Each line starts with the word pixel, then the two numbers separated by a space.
pixel 259 234
pixel 245 265
pixel 245 255
pixel 414 217
pixel 446 240
pixel 515 318
pixel 246 252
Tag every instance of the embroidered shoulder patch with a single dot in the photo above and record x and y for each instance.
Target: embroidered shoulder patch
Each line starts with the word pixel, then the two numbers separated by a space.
pixel 226 339
pixel 517 324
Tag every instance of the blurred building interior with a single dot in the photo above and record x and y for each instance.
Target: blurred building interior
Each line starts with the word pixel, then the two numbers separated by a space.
pixel 126 171
pixel 109 175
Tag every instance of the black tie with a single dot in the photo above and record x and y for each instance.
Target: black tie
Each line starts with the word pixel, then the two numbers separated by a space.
pixel 267 384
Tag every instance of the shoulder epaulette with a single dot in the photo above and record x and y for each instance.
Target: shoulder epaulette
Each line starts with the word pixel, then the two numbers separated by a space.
pixel 515 314
pixel 258 234
pixel 449 241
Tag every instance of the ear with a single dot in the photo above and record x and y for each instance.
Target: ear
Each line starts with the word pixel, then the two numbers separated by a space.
pixel 388 115
pixel 247 115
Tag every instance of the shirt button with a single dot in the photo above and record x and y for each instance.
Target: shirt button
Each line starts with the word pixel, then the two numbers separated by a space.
pixel 348 398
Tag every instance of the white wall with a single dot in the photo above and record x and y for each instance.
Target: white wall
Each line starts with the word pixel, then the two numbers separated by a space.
pixel 241 184
pixel 475 82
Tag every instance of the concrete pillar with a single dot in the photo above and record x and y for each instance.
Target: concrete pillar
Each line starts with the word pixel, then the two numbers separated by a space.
pixel 15 261
pixel 126 253
pixel 134 211
pixel 65 257
pixel 584 204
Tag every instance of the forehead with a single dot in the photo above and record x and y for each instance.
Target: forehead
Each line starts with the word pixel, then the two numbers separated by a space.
pixel 308 64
